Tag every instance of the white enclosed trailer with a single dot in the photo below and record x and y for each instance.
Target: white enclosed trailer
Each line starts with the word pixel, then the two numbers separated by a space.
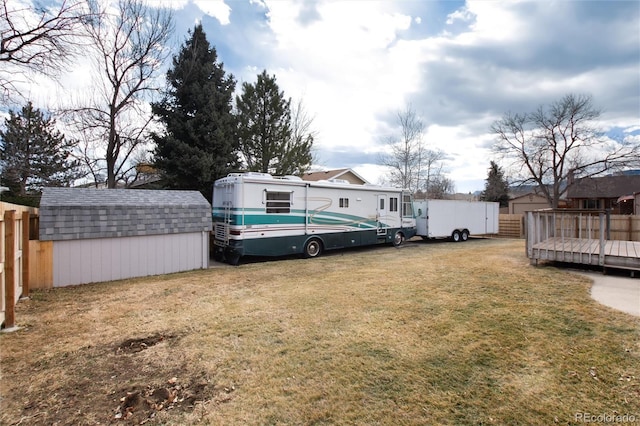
pixel 261 215
pixel 455 219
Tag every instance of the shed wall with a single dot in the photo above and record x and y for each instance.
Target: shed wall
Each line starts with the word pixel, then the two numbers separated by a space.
pixel 106 259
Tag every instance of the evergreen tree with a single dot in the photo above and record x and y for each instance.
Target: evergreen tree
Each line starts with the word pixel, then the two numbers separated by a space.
pixel 496 187
pixel 199 144
pixel 33 154
pixel 268 140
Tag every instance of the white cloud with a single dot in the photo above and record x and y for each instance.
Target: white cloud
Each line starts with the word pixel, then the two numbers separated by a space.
pixel 355 63
pixel 216 8
pixel 349 66
pixel 464 15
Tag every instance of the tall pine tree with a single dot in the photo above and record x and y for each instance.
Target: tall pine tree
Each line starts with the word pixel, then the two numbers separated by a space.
pixel 199 144
pixel 33 154
pixel 268 142
pixel 496 187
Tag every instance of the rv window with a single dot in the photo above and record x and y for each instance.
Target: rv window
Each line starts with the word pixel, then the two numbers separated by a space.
pixel 381 203
pixel 344 202
pixel 393 204
pixel 407 210
pixel 278 202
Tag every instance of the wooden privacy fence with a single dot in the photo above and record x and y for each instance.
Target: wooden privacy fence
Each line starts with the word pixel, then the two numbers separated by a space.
pixel 624 228
pixel 619 227
pixel 25 262
pixel 14 259
pixel 511 226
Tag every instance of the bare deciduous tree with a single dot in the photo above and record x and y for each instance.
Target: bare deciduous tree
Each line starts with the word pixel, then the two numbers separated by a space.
pixel 301 142
pixel 40 41
pixel 554 143
pixel 433 181
pixel 130 46
pixel 411 164
pixel 404 159
pixel 439 187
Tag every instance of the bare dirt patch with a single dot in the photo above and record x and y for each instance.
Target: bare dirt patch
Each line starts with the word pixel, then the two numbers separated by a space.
pixel 140 405
pixel 140 344
pixel 142 380
pixel 143 403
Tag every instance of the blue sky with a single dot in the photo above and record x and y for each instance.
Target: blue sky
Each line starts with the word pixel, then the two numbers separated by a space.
pixel 460 65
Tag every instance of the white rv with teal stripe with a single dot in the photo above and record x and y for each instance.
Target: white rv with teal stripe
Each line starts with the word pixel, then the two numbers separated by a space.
pixel 256 214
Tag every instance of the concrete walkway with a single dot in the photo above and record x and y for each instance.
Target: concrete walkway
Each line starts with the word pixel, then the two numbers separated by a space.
pixel 621 293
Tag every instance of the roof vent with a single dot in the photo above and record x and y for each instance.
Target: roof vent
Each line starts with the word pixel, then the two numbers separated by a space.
pixel 258 175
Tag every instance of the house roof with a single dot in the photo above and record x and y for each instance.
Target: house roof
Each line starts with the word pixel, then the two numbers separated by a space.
pixel 79 213
pixel 330 174
pixel 529 195
pixel 604 187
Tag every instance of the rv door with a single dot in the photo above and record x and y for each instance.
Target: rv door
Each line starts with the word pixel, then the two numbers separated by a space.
pixel 381 214
pixel 222 228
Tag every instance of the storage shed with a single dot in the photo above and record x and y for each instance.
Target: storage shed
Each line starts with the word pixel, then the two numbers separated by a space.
pixel 110 234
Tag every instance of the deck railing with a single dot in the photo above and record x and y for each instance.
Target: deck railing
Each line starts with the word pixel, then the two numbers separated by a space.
pixel 567 231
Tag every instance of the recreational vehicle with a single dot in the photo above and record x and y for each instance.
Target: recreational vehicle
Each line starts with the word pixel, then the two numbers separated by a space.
pixel 455 219
pixel 262 215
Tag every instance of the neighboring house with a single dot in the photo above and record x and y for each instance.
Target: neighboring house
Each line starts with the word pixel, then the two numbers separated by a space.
pixel 342 174
pixel 526 203
pixel 607 192
pixel 111 234
pixel 147 177
pixel 630 204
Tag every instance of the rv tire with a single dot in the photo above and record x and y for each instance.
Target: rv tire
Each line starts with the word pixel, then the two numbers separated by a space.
pixel 464 235
pixel 312 248
pixel 233 259
pixel 398 239
pixel 455 236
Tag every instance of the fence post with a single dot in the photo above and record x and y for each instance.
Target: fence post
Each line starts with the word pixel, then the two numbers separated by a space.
pixel 25 254
pixel 9 268
pixel 530 235
pixel 602 239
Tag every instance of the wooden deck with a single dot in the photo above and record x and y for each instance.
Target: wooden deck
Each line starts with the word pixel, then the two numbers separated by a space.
pixel 578 237
pixel 618 254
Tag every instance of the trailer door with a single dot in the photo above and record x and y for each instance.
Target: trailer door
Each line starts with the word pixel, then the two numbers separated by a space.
pixel 381 214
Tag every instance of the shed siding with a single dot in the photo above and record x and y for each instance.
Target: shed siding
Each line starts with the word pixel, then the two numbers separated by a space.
pixel 106 259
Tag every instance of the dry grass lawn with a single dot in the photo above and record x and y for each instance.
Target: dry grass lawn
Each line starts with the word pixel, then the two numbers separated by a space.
pixel 431 333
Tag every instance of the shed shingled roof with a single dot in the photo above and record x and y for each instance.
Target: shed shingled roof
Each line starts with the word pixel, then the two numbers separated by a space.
pixel 80 213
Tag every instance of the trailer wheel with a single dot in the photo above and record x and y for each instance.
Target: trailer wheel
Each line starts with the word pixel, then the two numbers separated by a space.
pixel 398 239
pixel 464 235
pixel 456 236
pixel 312 248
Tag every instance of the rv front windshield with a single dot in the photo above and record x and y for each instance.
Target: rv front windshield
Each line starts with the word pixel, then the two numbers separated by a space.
pixel 407 209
